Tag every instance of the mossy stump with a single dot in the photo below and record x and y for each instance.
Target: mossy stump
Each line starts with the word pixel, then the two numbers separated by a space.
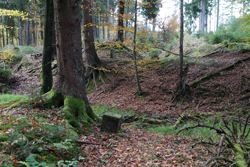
pixel 111 122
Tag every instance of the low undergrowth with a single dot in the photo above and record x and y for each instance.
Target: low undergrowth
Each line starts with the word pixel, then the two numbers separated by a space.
pixel 38 138
pixel 8 98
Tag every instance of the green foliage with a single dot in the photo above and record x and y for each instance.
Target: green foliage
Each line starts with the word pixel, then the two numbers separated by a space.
pixel 192 11
pixel 230 32
pixel 154 53
pixel 8 98
pixel 5 74
pixel 36 141
pixel 150 8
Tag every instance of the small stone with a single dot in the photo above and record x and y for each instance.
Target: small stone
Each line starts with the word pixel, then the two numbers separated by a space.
pixel 111 122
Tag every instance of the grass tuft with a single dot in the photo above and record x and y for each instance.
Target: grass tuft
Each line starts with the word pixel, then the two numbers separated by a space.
pixel 8 98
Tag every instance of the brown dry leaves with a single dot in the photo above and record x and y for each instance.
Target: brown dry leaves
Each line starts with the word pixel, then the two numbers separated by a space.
pixel 137 147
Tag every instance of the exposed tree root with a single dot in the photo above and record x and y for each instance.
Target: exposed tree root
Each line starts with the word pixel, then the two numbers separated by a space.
pixel 234 137
pixel 94 73
pixel 211 75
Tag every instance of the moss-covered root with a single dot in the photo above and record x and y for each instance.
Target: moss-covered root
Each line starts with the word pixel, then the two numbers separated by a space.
pixel 240 156
pixel 25 102
pixel 53 98
pixel 75 112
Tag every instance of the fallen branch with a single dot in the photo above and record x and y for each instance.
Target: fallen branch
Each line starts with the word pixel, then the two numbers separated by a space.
pixel 88 143
pixel 216 159
pixel 171 52
pixel 210 54
pixel 211 75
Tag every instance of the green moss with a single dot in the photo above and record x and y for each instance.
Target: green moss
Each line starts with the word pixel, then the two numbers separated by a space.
pixel 239 154
pixel 24 102
pixel 54 98
pixel 25 64
pixel 74 111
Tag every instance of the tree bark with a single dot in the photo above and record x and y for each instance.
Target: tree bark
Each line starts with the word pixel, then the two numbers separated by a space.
pixel 203 15
pixel 20 31
pixel 48 48
pixel 3 33
pixel 120 21
pixel 33 33
pixel 134 52
pixel 108 19
pixel 70 81
pixel 89 47
pixel 28 33
pixel 218 10
pixel 181 46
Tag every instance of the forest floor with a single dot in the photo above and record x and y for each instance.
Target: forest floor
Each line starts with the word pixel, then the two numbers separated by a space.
pixel 224 93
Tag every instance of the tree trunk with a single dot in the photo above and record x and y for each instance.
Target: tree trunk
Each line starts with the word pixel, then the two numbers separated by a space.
pixel 48 48
pixel 93 18
pixel 103 29
pixel 134 52
pixel 203 15
pixel 3 35
pixel 89 47
pixel 70 82
pixel 7 37
pixel 20 31
pixel 218 9
pixel 108 19
pixel 41 31
pixel 28 33
pixel 99 23
pixel 120 20
pixel 154 25
pixel 33 33
pixel 181 46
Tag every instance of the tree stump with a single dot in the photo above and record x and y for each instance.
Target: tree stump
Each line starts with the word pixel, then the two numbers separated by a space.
pixel 111 122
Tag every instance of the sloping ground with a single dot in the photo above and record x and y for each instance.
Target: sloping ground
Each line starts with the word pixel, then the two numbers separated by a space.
pixel 220 93
pixel 137 147
pixel 158 80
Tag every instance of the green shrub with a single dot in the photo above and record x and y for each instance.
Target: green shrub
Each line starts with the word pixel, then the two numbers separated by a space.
pixel 216 38
pixel 231 32
pixel 154 53
pixel 5 74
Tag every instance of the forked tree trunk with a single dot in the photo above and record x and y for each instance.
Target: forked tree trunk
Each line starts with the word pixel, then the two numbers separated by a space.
pixel 70 81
